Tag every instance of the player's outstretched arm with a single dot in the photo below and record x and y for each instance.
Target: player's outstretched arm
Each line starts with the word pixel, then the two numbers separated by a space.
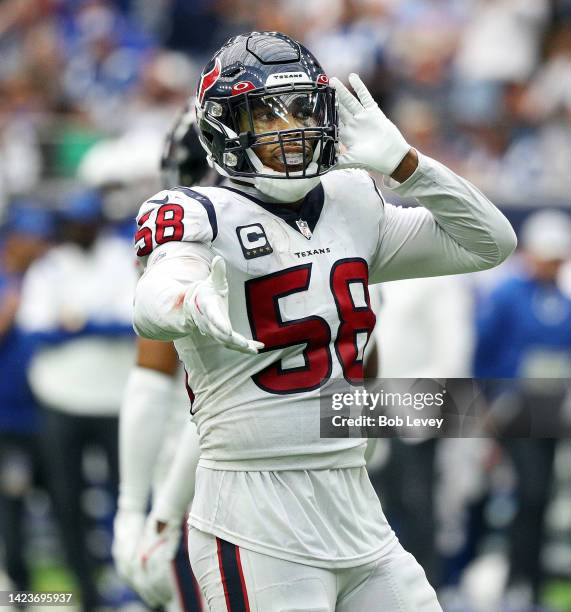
pixel 458 229
pixel 146 401
pixel 182 290
pixel 153 580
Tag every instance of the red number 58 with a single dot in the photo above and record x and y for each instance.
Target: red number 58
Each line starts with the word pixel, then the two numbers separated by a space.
pixel 268 326
pixel 169 226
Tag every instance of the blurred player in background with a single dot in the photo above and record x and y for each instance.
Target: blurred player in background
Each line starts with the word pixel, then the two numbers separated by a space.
pixel 154 425
pixel 524 332
pixel 282 518
pixel 77 301
pixel 25 236
pixel 424 331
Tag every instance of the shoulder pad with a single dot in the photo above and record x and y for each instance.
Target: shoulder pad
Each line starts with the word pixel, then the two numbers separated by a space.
pixel 354 185
pixel 181 214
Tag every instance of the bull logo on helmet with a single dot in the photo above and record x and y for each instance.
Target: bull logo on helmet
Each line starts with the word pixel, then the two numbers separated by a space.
pixel 208 79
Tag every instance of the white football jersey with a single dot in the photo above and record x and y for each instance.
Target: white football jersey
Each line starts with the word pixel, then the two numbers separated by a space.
pixel 298 283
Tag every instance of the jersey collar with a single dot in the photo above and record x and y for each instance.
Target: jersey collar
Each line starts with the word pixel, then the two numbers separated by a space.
pixel 309 211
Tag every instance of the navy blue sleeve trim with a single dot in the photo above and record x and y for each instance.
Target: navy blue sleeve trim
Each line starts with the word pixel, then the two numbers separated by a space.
pixel 208 207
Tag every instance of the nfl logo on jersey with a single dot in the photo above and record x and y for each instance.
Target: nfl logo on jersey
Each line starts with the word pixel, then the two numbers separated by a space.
pixel 304 228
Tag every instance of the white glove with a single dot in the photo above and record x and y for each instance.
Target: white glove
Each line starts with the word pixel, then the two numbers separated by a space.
pixel 153 578
pixel 127 533
pixel 206 303
pixel 369 140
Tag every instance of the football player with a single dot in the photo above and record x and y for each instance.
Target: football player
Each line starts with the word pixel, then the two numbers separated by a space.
pixel 262 283
pixel 154 425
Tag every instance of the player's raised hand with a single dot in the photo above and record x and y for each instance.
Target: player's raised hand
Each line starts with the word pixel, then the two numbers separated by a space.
pixel 153 577
pixel 369 140
pixel 206 303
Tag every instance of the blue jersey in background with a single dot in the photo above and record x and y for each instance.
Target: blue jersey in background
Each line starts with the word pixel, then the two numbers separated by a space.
pixel 524 330
pixel 17 407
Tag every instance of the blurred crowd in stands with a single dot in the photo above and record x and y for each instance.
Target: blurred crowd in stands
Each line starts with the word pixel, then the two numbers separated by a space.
pixel 88 89
pixel 484 85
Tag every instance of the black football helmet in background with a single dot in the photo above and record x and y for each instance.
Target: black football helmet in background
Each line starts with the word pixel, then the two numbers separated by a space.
pixel 272 73
pixel 183 161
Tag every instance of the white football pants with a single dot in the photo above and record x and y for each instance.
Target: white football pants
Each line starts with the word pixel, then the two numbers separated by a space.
pixel 233 579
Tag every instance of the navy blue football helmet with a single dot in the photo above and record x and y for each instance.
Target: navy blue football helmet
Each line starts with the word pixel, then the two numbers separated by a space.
pixel 268 79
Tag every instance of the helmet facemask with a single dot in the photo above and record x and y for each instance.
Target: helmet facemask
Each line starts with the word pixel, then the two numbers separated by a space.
pixel 278 132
